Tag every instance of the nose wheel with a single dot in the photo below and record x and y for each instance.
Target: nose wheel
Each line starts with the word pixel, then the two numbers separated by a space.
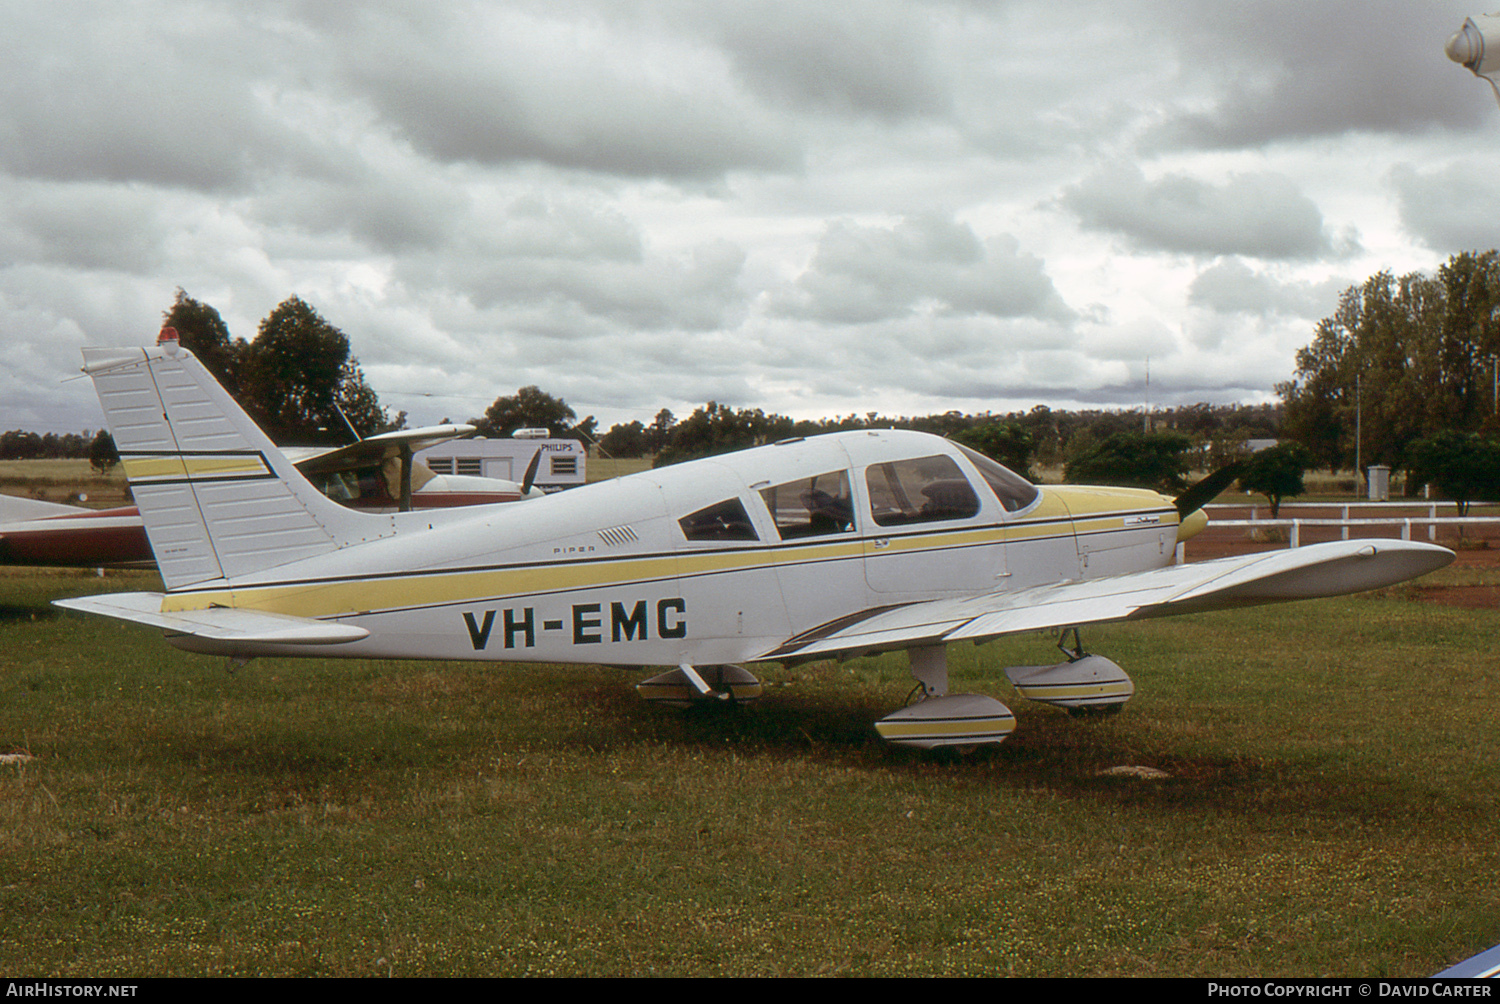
pixel 1084 685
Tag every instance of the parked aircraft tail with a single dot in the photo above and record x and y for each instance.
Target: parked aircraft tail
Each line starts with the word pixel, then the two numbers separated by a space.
pixel 219 500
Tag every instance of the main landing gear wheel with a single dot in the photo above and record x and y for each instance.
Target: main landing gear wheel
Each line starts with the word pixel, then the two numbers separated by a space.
pixel 939 719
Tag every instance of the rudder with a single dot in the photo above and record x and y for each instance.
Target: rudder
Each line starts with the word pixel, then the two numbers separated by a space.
pixel 218 499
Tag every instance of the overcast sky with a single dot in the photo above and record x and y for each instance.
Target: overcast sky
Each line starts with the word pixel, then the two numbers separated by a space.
pixel 811 207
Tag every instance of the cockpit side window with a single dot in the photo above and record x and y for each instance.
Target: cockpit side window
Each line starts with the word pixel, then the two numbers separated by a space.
pixel 924 490
pixel 725 520
pixel 1014 492
pixel 812 506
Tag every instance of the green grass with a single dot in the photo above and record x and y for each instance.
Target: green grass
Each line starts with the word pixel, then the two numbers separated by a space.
pixel 1329 810
pixel 61 481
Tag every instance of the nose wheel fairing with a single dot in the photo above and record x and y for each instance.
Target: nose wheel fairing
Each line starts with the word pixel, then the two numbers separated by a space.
pixel 1082 683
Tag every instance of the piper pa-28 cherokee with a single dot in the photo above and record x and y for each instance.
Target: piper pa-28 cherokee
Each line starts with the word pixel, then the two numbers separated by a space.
pixel 838 545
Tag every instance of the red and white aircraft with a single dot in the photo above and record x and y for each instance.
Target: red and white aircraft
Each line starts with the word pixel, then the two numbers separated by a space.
pixel 372 475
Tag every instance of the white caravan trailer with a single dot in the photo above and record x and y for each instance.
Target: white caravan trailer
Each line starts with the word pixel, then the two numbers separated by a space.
pixel 562 464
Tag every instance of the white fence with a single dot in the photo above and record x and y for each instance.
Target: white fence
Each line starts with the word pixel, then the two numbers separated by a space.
pixel 1294 524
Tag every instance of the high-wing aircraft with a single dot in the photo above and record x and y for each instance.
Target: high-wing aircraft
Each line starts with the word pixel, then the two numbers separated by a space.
pixel 375 474
pixel 850 543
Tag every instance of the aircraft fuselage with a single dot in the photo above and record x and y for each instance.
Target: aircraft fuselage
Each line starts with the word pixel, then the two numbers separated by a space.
pixel 713 561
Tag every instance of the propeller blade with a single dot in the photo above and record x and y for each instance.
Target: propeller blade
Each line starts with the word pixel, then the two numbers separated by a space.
pixel 1200 494
pixel 406 462
pixel 531 469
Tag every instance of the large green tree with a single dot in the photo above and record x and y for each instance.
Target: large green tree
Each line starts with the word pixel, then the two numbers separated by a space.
pixel 1399 359
pixel 1276 472
pixel 1004 442
pixel 716 428
pixel 1464 466
pixel 624 439
pixel 298 374
pixel 200 329
pixel 533 408
pixel 293 379
pixel 1155 460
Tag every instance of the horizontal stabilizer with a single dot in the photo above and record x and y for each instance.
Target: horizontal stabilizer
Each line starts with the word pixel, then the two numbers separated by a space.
pixel 13 508
pixel 222 624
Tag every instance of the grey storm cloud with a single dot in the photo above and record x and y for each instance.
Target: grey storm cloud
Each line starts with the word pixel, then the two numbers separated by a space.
pixel 821 205
pixel 84 225
pixel 874 58
pixel 1453 208
pixel 1259 215
pixel 385 214
pixel 91 98
pixel 589 263
pixel 1281 71
pixel 861 274
pixel 501 85
pixel 1232 287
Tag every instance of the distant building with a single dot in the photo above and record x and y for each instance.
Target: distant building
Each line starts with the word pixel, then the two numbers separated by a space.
pixel 562 464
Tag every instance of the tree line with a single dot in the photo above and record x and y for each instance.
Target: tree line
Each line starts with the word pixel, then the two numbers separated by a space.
pixel 297 379
pixel 1039 437
pixel 18 444
pixel 301 383
pixel 1405 373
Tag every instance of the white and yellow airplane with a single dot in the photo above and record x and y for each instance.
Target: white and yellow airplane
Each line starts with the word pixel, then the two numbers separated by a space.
pixel 837 545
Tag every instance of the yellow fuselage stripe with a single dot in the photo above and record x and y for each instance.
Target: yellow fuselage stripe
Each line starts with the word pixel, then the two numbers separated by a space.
pixel 341 597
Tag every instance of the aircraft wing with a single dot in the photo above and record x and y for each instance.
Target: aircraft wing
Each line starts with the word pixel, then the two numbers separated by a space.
pixel 1484 966
pixel 218 623
pixel 14 508
pixel 375 449
pixel 1331 569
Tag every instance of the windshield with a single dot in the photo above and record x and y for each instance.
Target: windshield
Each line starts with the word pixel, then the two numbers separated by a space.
pixel 1014 492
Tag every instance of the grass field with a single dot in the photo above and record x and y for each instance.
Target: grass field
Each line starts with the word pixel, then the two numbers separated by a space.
pixel 1329 809
pixel 62 481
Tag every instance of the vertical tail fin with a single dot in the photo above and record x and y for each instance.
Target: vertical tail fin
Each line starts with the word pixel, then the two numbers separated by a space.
pixel 219 500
